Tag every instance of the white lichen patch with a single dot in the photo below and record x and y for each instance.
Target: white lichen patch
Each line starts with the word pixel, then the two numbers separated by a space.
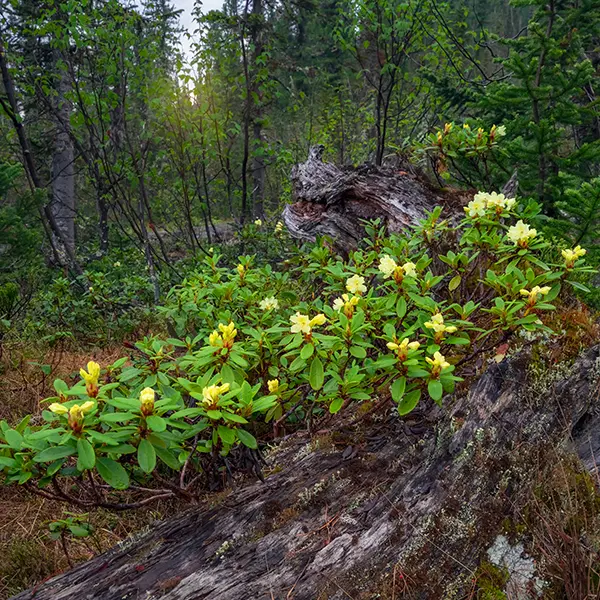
pixel 520 567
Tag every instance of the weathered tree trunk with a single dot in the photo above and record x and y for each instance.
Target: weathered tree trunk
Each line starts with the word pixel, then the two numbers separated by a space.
pixel 258 158
pixel 335 201
pixel 62 204
pixel 401 504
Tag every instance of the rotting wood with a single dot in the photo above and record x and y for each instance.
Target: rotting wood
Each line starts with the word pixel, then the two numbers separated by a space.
pixel 424 497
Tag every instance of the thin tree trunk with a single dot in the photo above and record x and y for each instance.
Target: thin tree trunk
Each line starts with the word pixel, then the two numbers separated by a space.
pixel 10 107
pixel 258 160
pixel 62 204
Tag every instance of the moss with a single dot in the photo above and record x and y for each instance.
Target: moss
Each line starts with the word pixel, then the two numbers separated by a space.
pixel 491 581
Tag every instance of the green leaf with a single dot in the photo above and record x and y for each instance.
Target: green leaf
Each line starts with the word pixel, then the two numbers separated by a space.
pixel 408 402
pixel 146 456
pixel 434 387
pixel 113 473
pixel 307 351
pixel 54 453
pixel 397 388
pixel 579 286
pixel 336 405
pixel 86 457
pixel 358 352
pixel 247 439
pixel 454 282
pixel 168 458
pixel 401 307
pixel 156 423
pixel 13 438
pixel 226 434
pixel 116 417
pixel 316 375
pixel 79 531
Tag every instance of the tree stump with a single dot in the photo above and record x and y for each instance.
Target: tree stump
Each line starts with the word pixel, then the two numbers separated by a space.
pixel 404 508
pixel 336 201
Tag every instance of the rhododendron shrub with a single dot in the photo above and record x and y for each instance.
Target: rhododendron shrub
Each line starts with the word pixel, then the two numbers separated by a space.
pixel 255 350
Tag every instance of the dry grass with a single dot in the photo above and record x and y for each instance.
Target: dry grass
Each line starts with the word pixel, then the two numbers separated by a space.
pixel 27 554
pixel 23 383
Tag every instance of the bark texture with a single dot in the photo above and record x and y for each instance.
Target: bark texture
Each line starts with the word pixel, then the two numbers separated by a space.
pixel 335 201
pixel 62 204
pixel 357 513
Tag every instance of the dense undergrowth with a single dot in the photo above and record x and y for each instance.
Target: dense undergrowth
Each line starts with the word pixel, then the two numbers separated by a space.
pixel 244 350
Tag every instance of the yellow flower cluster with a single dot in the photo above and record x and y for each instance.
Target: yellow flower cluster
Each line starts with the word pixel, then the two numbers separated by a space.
pixel 91 377
pixel 212 393
pixel 571 256
pixel 482 201
pixel 76 413
pixel 437 324
pixel 356 285
pixel 225 338
pixel 346 303
pixel 273 385
pixel 258 222
pixel 390 268
pixel 302 323
pixel 241 269
pixel 279 227
pixel 438 363
pixel 535 293
pixel 520 234
pixel 402 349
pixel 269 303
pixel 147 401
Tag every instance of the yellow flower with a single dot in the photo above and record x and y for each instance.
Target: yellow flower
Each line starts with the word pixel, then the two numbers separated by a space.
pixel 211 394
pixel 92 374
pixel 279 227
pixel 91 377
pixel 501 131
pixel 211 250
pixel 437 324
pixel 520 234
pixel 301 323
pixel 229 332
pixel 319 319
pixel 410 269
pixel 438 363
pixel 147 401
pixel 387 265
pixel 403 347
pixel 466 126
pixel 273 385
pixel 476 208
pixel 498 202
pixel 346 303
pixel 356 285
pixel 258 222
pixel 214 339
pixel 571 256
pixel 58 408
pixel 535 292
pixel 241 269
pixel 447 128
pixel 269 303
pixel 77 414
pixel 117 264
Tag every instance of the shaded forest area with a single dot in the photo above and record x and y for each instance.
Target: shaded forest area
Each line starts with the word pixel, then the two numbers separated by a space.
pixel 323 235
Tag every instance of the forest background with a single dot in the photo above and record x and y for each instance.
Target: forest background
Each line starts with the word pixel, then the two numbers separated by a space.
pixel 126 162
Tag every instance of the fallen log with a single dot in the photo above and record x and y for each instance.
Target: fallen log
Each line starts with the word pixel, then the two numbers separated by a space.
pixel 401 508
pixel 335 201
